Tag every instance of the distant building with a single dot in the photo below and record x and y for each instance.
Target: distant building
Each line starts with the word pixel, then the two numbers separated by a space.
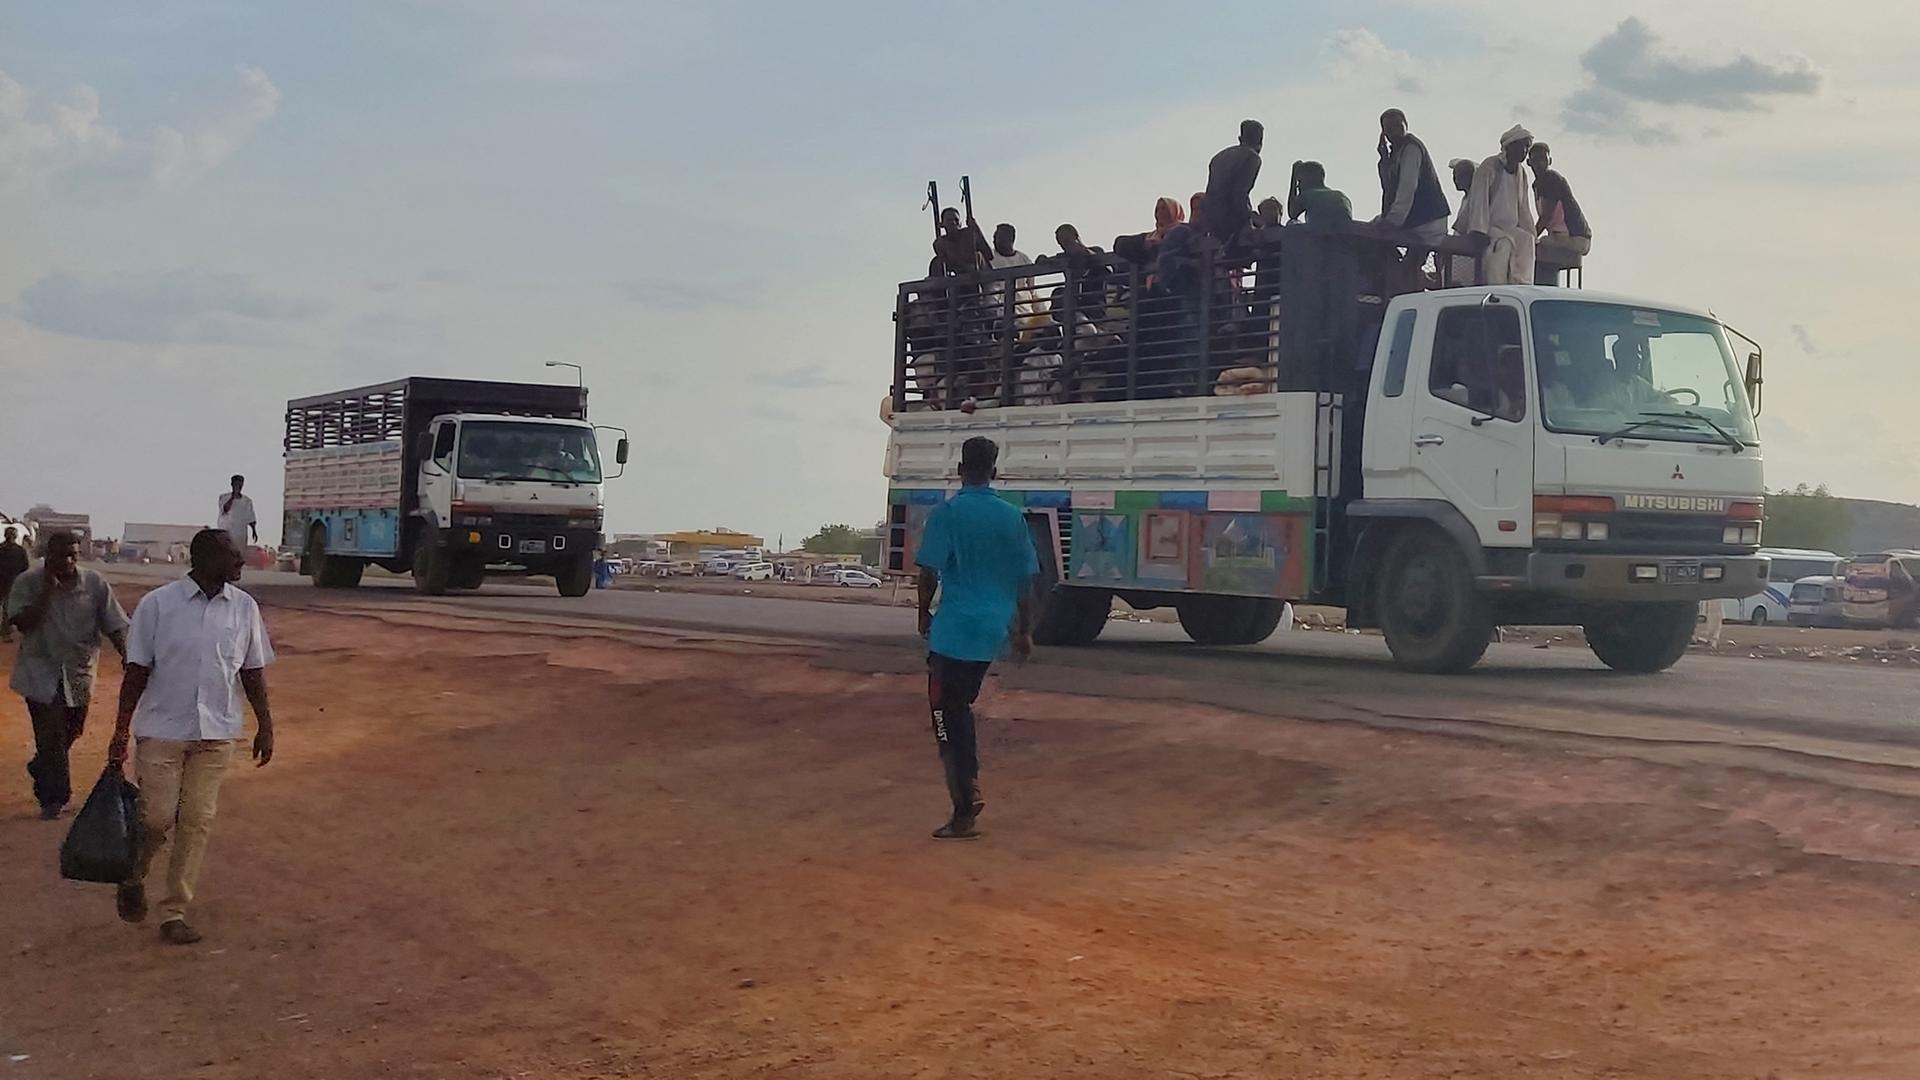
pixel 45 519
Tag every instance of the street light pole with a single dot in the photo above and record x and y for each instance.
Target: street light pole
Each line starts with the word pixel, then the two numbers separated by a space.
pixel 579 375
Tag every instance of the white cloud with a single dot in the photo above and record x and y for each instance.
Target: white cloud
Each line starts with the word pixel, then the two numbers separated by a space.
pixel 69 145
pixel 1360 52
pixel 173 308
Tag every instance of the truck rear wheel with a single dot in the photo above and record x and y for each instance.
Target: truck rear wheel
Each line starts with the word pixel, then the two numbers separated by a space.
pixel 575 576
pixel 1073 617
pixel 330 571
pixel 1229 620
pixel 1643 638
pixel 432 564
pixel 1432 619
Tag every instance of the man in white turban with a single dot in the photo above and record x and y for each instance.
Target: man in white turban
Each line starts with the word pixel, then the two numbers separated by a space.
pixel 1499 212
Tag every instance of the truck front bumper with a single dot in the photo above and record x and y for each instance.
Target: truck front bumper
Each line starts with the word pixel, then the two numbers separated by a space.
pixel 1645 577
pixel 526 542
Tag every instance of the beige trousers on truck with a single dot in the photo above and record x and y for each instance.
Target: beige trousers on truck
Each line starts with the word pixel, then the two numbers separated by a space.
pixel 179 790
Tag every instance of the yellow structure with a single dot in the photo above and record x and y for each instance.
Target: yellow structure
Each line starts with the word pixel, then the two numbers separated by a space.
pixel 716 538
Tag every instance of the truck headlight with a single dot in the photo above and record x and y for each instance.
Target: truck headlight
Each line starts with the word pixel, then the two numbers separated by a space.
pixel 1570 530
pixel 1730 534
pixel 1596 530
pixel 1749 534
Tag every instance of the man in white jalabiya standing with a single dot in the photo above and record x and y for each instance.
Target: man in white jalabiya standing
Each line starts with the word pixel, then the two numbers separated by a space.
pixel 194 644
pixel 236 516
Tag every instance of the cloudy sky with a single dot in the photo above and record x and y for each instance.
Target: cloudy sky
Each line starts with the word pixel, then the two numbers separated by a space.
pixel 209 207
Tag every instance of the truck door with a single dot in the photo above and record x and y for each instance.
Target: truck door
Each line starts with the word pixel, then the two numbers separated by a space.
pixel 1472 424
pixel 436 471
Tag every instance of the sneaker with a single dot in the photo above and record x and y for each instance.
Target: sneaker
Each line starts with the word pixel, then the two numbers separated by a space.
pixel 177 932
pixel 957 829
pixel 52 811
pixel 131 901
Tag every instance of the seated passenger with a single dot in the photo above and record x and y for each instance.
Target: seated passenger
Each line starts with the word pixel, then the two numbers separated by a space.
pixel 1323 208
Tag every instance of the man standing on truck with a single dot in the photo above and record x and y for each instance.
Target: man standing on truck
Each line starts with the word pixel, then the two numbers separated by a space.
pixel 236 514
pixel 1230 179
pixel 976 552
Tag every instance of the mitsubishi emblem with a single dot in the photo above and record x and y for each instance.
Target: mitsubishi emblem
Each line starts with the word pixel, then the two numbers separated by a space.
pixel 1677 474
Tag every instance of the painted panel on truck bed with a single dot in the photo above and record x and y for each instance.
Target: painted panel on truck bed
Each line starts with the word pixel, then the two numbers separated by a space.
pixel 1165 541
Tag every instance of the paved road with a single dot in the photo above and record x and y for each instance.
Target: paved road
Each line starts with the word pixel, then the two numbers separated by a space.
pixel 1299 673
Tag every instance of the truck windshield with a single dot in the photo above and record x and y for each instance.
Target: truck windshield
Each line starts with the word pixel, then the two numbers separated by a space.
pixel 1610 368
pixel 511 451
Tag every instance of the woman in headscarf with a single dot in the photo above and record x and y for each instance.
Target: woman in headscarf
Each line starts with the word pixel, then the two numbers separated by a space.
pixel 1167 212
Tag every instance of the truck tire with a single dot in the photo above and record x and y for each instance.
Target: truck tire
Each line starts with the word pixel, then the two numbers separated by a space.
pixel 1432 618
pixel 1072 616
pixel 432 565
pixel 575 576
pixel 1643 638
pixel 330 571
pixel 1229 620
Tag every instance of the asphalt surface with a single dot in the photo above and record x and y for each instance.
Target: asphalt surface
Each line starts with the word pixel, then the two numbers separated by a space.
pixel 1308 673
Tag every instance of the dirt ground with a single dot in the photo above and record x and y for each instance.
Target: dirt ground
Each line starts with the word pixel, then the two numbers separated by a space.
pixel 485 851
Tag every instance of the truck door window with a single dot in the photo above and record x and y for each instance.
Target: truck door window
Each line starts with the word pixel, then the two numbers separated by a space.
pixel 443 445
pixel 1396 380
pixel 1478 362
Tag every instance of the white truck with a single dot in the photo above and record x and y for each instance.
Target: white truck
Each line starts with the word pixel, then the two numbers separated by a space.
pixel 452 480
pixel 1438 462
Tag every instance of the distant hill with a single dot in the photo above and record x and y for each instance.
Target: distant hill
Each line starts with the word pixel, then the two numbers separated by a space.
pixel 1876 526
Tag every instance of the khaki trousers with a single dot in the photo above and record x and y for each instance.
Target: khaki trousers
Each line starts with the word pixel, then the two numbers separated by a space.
pixel 179 790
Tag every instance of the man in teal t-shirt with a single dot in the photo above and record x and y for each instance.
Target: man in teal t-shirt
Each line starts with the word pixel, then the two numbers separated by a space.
pixel 976 551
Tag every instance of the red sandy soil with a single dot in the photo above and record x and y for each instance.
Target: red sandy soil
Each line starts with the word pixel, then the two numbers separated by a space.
pixel 486 851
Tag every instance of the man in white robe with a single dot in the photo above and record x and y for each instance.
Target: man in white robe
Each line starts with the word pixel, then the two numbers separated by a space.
pixel 1500 212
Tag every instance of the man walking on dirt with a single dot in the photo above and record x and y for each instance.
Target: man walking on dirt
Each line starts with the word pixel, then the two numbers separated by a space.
pixel 193 645
pixel 62 612
pixel 976 551
pixel 13 562
pixel 236 515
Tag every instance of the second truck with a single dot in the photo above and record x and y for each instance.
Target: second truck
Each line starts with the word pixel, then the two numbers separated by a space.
pixel 450 480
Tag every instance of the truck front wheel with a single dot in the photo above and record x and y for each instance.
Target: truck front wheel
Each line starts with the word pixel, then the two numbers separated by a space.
pixel 330 571
pixel 1643 638
pixel 575 576
pixel 1070 616
pixel 1429 613
pixel 432 564
pixel 1229 620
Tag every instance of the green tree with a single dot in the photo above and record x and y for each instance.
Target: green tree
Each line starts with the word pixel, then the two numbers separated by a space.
pixel 1807 517
pixel 833 540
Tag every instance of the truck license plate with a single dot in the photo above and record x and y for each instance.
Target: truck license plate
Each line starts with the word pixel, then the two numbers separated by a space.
pixel 539 547
pixel 1680 573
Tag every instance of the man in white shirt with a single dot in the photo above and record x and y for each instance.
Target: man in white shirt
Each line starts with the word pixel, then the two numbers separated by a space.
pixel 236 515
pixel 193 645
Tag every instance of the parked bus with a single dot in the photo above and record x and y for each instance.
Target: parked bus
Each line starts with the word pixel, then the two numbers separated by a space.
pixel 1769 605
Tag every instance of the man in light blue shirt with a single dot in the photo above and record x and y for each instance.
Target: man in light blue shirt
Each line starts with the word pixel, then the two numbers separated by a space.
pixel 977 553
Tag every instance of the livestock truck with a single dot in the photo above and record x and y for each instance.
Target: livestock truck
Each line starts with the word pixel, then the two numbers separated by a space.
pixel 1306 421
pixel 450 480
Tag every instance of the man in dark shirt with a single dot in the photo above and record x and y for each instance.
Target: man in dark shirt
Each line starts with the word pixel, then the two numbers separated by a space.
pixel 1564 232
pixel 1230 179
pixel 961 249
pixel 13 563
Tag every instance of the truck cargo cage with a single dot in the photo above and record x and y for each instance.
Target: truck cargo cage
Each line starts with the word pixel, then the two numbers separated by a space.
pixel 1295 309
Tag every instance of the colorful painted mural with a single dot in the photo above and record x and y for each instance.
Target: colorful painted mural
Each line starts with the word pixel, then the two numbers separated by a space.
pixel 1240 542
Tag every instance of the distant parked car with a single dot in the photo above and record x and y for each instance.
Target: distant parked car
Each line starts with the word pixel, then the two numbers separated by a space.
pixel 855 579
pixel 754 571
pixel 1817 601
pixel 686 568
pixel 717 567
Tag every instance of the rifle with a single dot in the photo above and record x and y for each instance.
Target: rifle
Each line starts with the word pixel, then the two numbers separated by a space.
pixel 933 200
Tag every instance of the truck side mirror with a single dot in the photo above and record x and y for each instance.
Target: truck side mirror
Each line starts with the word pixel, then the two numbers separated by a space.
pixel 620 452
pixel 1755 380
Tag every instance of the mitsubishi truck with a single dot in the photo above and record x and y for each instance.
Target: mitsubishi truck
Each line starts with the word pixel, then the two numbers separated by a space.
pixel 450 480
pixel 1302 422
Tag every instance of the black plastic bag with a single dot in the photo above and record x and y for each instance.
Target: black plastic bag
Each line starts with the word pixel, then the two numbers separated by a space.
pixel 103 843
